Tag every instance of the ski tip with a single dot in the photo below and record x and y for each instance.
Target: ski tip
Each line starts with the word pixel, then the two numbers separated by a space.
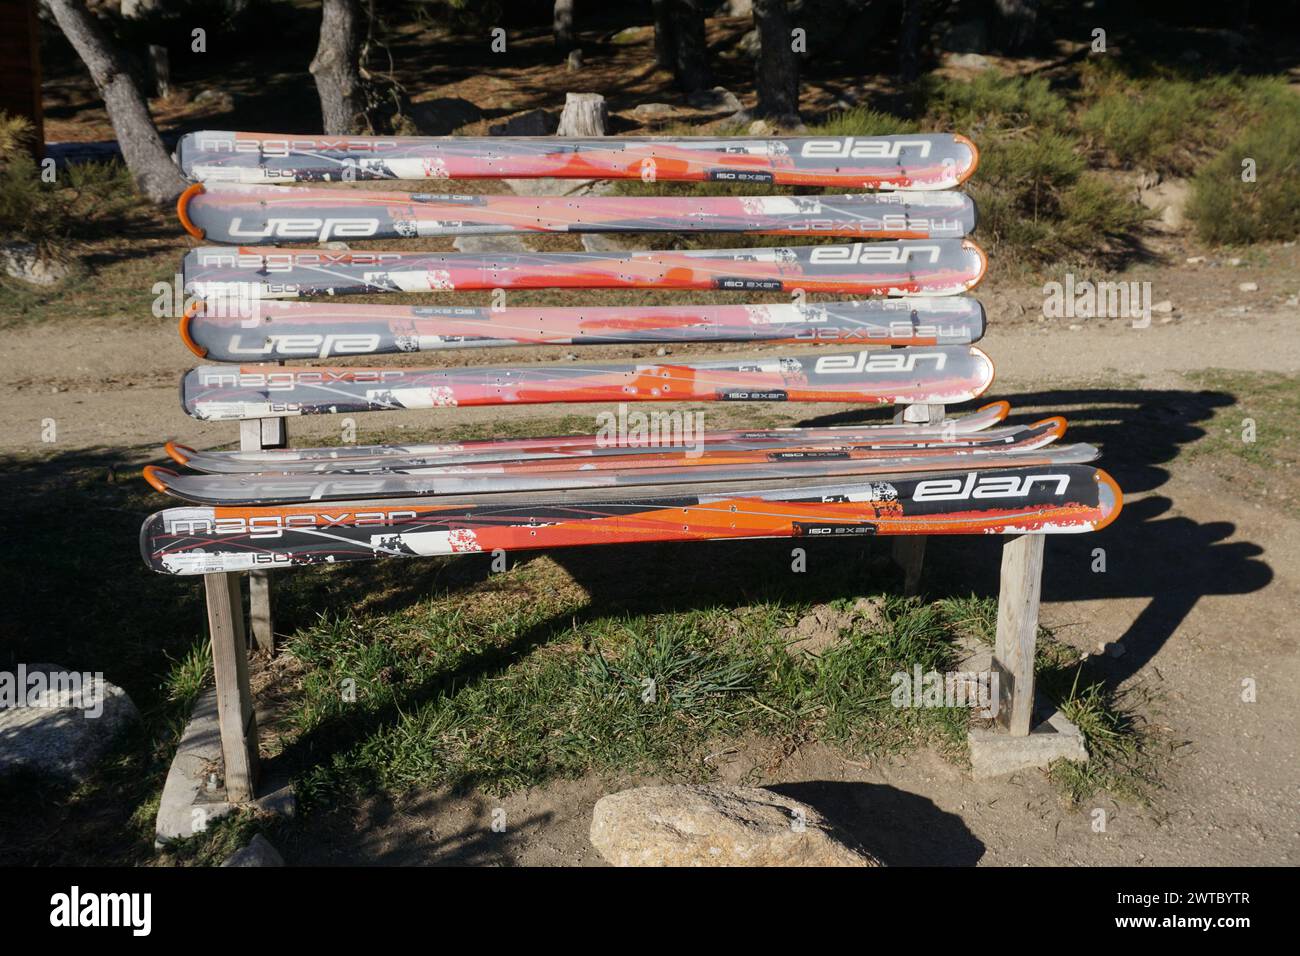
pixel 182 210
pixel 1000 410
pixel 1056 423
pixel 181 454
pixel 974 156
pixel 1111 499
pixel 154 475
pixel 981 320
pixel 973 246
pixel 188 314
pixel 991 371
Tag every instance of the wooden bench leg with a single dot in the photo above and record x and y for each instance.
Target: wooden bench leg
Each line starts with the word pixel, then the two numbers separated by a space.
pixel 255 436
pixel 1013 652
pixel 235 714
pixel 909 550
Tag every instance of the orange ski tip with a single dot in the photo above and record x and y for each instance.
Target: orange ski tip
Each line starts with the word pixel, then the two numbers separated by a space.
pixel 993 372
pixel 974 155
pixel 181 454
pixel 153 474
pixel 190 311
pixel 1057 422
pixel 182 210
pixel 1002 408
pixel 1105 479
pixel 984 261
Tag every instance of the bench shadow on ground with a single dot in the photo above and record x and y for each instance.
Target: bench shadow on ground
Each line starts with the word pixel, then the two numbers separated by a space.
pixel 89 602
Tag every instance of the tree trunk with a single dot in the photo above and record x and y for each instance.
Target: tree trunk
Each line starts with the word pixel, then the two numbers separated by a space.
pixel 1017 21
pixel 692 59
pixel 562 24
pixel 665 41
pixel 909 41
pixel 146 156
pixel 585 115
pixel 337 67
pixel 777 73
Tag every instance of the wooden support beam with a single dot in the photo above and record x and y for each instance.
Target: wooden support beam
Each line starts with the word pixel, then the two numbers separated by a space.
pixel 235 714
pixel 909 550
pixel 254 436
pixel 1013 652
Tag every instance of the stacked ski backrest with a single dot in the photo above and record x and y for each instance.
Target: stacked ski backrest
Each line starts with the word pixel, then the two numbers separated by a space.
pixel 902 334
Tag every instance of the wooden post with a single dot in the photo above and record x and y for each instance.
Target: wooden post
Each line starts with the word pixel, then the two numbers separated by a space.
pixel 235 714
pixel 1013 652
pixel 909 550
pixel 254 436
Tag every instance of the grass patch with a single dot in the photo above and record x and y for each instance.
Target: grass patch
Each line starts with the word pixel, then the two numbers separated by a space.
pixel 991 103
pixel 1123 755
pixel 1254 442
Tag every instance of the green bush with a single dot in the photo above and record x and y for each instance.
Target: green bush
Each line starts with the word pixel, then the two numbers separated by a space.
pixel 1038 204
pixel 990 102
pixel 86 200
pixel 1172 126
pixel 1227 210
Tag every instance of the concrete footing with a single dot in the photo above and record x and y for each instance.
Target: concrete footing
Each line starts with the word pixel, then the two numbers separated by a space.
pixel 193 795
pixel 995 753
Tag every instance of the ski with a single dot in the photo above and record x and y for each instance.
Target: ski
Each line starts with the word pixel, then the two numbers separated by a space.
pixel 979 423
pixel 235 331
pixel 675 442
pixel 254 215
pixel 1047 499
pixel 914 161
pixel 272 489
pixel 907 267
pixel 941 375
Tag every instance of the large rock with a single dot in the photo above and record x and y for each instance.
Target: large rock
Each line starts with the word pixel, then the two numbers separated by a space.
pixel 719 98
pixel 1168 198
pixel 716 826
pixel 444 115
pixel 259 852
pixel 502 243
pixel 529 123
pixel 58 722
pixel 22 262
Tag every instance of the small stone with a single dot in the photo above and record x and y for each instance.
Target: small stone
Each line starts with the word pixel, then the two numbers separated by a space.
pixel 259 852
pixel 1164 305
pixel 337 245
pixel 1115 650
pixel 574 63
pixel 650 111
pixel 218 101
pixel 760 128
pixel 1195 260
pixel 719 98
pixel 1076 328
pixel 1248 286
pixel 661 351
pixel 968 61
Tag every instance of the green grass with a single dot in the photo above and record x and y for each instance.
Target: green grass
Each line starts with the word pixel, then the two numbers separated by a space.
pixel 990 104
pixel 1265 464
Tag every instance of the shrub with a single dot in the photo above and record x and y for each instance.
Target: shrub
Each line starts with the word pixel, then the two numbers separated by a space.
pixel 990 102
pixel 1172 126
pixel 1038 204
pixel 1227 210
pixel 86 200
